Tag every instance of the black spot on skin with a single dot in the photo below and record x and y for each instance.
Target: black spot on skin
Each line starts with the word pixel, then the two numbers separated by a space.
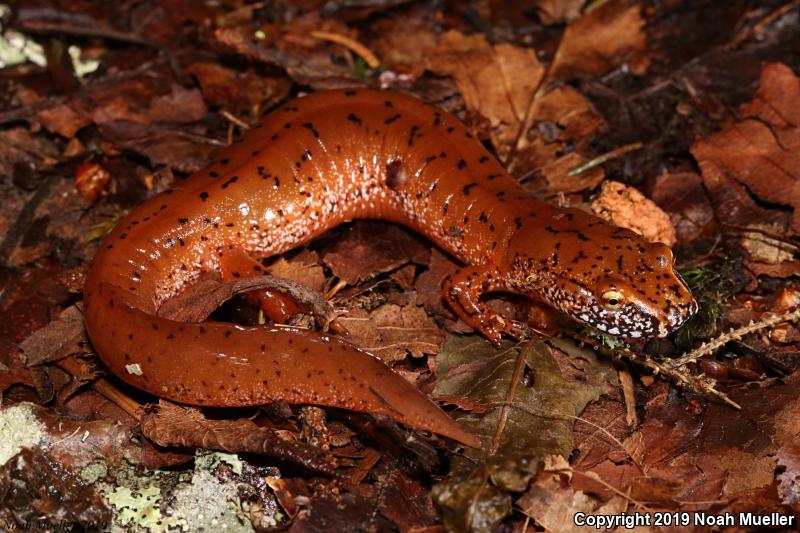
pixel 580 256
pixel 204 196
pixel 123 236
pixel 287 125
pixel 445 207
pixel 228 333
pixel 214 174
pixel 183 221
pixel 451 129
pixel 461 164
pixel 274 137
pixel 224 162
pixel 468 187
pixel 483 159
pixel 490 177
pixel 350 92
pixel 395 174
pixel 231 181
pixel 518 222
pixel 483 217
pixel 310 127
pixel 355 119
pixel 261 171
pixel 388 103
pixel 413 135
pixel 501 195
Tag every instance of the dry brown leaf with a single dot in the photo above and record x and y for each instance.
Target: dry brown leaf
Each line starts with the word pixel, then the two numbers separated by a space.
pixel 530 129
pixel 558 11
pixel 169 424
pixel 404 43
pixel 392 331
pixel 497 82
pixel 303 267
pixel 370 248
pixel 57 339
pixel 758 155
pixel 683 197
pixel 603 39
pixel 761 150
pixel 554 507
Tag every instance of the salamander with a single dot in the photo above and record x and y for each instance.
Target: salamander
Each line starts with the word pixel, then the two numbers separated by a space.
pixel 310 165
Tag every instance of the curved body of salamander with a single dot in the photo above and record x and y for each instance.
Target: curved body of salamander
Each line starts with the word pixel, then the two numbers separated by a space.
pixel 322 160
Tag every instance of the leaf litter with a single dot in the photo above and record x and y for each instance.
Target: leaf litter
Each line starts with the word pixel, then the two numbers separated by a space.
pixel 698 117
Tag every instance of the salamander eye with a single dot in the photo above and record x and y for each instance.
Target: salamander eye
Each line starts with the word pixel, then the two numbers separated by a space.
pixel 612 300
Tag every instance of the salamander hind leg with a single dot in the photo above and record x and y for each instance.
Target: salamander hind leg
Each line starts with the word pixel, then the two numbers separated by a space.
pixel 463 290
pixel 284 298
pixel 277 306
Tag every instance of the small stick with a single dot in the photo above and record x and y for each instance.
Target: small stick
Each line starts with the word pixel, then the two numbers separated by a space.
pixel 230 117
pixel 357 48
pixel 733 334
pixel 599 160
pixel 101 385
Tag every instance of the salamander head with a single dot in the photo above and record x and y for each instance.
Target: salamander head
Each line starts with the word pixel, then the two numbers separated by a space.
pixel 607 277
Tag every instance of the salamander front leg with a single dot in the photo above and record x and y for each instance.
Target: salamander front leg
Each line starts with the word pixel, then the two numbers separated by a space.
pixel 463 290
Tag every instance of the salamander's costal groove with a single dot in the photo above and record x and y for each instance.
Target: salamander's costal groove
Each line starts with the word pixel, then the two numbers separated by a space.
pixel 310 165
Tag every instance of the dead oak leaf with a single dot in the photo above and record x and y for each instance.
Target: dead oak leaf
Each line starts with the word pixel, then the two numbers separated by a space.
pixel 552 506
pixel 303 267
pixel 371 248
pixel 759 156
pixel 497 82
pixel 601 40
pixel 531 129
pixel 391 331
pixel 762 151
pixel 57 339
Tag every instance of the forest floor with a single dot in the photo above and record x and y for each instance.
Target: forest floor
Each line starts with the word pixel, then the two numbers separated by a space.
pixel 678 119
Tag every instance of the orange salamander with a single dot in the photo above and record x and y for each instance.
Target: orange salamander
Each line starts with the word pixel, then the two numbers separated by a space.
pixel 329 158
